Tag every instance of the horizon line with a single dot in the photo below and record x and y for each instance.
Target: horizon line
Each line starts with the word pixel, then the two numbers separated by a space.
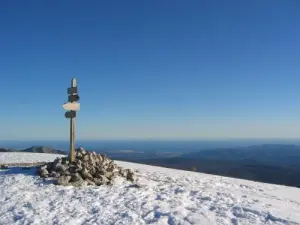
pixel 166 139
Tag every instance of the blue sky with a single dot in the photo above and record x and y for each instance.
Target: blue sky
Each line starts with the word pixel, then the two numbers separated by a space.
pixel 151 69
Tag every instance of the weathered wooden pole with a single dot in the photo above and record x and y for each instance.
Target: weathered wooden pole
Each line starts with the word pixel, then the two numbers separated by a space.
pixel 72 128
pixel 72 106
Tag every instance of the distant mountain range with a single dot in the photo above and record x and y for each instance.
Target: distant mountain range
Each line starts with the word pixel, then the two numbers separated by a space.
pixel 7 150
pixel 35 149
pixel 268 154
pixel 270 163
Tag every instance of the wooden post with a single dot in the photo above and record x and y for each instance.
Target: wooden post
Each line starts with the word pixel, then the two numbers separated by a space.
pixel 72 130
pixel 71 107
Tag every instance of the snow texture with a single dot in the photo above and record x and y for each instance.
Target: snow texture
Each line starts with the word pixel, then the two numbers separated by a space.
pixel 24 157
pixel 163 196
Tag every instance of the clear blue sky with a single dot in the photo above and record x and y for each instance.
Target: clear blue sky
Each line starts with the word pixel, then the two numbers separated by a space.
pixel 151 69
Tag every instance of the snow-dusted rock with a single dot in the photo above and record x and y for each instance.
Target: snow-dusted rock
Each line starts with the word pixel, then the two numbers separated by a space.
pixel 108 175
pixel 131 176
pixel 85 158
pixel 54 174
pixel 44 173
pixel 81 151
pixel 4 167
pixel 63 180
pixel 79 183
pixel 44 167
pixel 85 174
pixel 75 177
pixel 89 182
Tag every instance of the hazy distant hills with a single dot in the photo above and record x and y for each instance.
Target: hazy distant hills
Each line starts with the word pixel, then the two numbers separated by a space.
pixel 7 150
pixel 278 164
pixel 280 155
pixel 271 154
pixel 35 149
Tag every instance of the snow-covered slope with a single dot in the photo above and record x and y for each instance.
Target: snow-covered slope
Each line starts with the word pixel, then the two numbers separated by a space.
pixel 26 157
pixel 166 196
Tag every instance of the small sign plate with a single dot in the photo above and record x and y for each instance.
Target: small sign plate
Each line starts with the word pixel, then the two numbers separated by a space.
pixel 72 90
pixel 73 98
pixel 71 106
pixel 70 114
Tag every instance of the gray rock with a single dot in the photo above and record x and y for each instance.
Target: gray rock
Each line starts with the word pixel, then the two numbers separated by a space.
pixel 99 164
pixel 100 171
pixel 108 174
pixel 4 167
pixel 92 170
pixel 98 181
pixel 131 176
pixel 63 180
pixel 85 164
pixel 56 165
pixel 91 161
pixel 115 170
pixel 79 183
pixel 50 166
pixel 75 177
pixel 66 173
pixel 44 173
pixel 57 160
pixel 78 155
pixel 78 162
pixel 81 151
pixel 104 180
pixel 65 161
pixel 72 169
pixel 100 158
pixel 122 172
pixel 109 169
pixel 78 168
pixel 129 171
pixel 96 159
pixel 115 174
pixel 85 158
pixel 86 175
pixel 54 174
pixel 61 168
pixel 90 182
pixel 43 167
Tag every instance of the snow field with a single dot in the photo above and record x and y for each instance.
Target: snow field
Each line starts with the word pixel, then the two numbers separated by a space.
pixel 164 196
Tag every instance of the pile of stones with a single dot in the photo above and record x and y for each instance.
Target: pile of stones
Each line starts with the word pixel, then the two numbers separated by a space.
pixel 88 168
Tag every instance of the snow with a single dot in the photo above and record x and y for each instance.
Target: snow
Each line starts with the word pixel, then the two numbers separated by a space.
pixel 26 157
pixel 165 196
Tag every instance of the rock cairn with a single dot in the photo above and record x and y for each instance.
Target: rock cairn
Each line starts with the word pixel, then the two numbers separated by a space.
pixel 88 168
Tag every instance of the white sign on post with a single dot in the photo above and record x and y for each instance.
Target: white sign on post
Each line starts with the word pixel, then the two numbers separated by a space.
pixel 71 106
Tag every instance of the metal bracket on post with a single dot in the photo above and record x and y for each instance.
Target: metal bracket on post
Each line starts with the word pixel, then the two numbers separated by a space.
pixel 72 106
